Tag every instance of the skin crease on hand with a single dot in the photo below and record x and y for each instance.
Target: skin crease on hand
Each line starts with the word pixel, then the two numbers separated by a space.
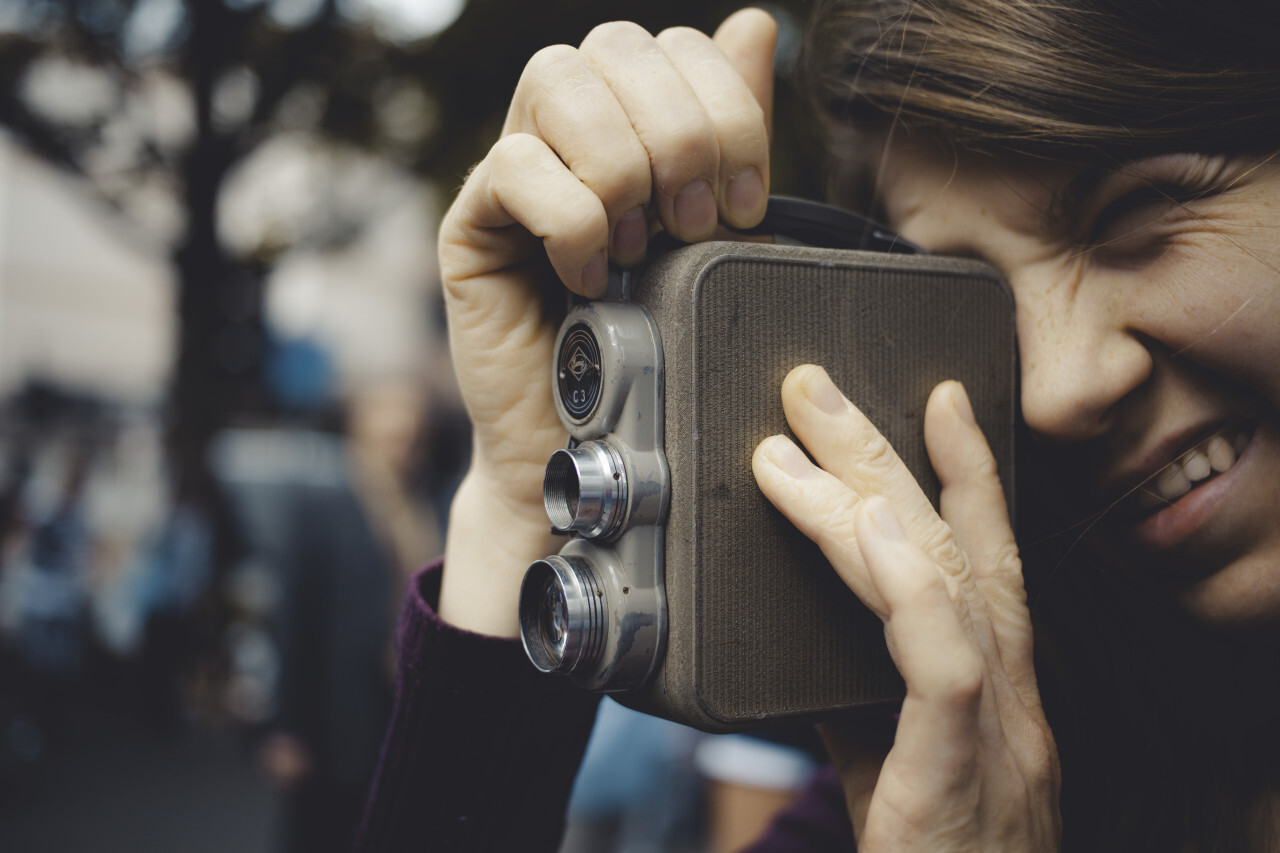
pixel 1147 321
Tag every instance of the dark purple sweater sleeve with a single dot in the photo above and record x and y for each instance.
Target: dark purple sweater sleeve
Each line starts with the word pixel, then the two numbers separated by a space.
pixel 816 821
pixel 482 749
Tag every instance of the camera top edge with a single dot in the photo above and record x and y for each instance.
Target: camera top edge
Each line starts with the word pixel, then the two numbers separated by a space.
pixel 824 226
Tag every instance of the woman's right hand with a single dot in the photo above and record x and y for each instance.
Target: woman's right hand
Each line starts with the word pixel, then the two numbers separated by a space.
pixel 601 143
pixel 973 765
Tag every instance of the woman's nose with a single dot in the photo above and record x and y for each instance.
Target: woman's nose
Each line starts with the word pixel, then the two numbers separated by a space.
pixel 1078 362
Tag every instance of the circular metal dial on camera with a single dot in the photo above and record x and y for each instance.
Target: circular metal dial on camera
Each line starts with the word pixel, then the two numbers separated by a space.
pixel 579 373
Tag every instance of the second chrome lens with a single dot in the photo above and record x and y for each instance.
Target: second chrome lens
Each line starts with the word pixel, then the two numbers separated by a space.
pixel 585 489
pixel 562 615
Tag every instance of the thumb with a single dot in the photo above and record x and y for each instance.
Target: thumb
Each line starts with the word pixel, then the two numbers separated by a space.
pixel 748 38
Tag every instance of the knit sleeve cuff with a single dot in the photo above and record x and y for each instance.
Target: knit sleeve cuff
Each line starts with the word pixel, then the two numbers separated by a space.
pixel 482 749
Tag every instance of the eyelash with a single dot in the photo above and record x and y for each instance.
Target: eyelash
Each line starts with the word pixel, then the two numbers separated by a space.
pixel 1169 193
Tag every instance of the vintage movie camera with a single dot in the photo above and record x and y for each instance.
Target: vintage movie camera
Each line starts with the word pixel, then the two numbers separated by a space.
pixel 680 590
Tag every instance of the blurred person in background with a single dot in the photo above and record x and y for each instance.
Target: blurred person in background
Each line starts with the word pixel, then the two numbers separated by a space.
pixel 177 574
pixel 391 436
pixel 329 623
pixel 48 579
pixel 340 510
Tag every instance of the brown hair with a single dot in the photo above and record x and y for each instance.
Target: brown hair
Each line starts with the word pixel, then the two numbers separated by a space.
pixel 1084 80
pixel 1167 731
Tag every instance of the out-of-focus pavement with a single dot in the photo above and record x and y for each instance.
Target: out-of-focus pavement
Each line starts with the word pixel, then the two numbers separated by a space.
pixel 108 785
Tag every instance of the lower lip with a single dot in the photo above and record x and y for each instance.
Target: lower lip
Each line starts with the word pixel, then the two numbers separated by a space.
pixel 1176 523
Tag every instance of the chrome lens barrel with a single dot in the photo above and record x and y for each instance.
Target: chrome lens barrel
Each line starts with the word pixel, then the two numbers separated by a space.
pixel 562 615
pixel 585 489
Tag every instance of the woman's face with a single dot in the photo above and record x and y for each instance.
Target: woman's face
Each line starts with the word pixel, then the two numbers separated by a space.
pixel 1148 304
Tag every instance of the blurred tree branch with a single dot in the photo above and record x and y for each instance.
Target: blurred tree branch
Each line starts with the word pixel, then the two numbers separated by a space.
pixel 155 104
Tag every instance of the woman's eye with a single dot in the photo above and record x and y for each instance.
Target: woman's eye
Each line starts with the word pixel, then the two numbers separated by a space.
pixel 1126 224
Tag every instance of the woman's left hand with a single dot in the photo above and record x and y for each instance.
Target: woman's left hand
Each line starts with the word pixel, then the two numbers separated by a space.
pixel 973 766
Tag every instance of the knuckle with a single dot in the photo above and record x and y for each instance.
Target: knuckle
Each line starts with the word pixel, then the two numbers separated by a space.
pixel 621 181
pixel 953 675
pixel 683 151
pixel 836 525
pixel 962 682
pixel 688 136
pixel 872 455
pixel 982 469
pixel 1005 561
pixel 744 125
pixel 616 35
pixel 581 218
pixel 451 272
pixel 940 544
pixel 513 149
pixel 677 37
pixel 550 60
pixel 694 139
pixel 1040 772
pixel 827 519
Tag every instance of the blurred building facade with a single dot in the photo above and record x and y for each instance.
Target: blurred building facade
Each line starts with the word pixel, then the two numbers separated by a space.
pixel 83 302
pixel 88 303
pixel 88 339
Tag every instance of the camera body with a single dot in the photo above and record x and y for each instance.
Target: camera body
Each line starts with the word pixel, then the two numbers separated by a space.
pixel 681 591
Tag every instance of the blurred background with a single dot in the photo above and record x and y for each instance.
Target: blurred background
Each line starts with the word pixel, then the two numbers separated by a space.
pixel 228 424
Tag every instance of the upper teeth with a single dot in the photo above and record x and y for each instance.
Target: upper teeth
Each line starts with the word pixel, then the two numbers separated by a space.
pixel 1196 465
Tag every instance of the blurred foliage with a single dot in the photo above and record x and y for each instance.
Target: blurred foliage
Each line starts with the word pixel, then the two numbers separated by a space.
pixel 253 68
pixel 155 103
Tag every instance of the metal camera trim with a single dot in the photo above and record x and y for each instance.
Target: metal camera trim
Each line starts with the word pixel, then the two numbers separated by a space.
pixel 719 613
pixel 609 489
pixel 585 490
pixel 583 632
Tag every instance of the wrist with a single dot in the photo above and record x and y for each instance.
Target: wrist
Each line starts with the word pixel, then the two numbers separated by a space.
pixel 492 539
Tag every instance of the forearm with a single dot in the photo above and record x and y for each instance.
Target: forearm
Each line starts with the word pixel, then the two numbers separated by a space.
pixel 482 749
pixel 495 537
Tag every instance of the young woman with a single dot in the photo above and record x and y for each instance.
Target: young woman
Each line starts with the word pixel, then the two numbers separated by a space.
pixel 1115 162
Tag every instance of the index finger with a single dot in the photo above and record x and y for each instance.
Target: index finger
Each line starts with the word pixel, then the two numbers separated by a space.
pixel 973 505
pixel 972 499
pixel 748 39
pixel 846 444
pixel 736 92
pixel 736 117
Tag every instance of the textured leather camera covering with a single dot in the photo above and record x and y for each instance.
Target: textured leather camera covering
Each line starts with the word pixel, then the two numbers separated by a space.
pixel 761 630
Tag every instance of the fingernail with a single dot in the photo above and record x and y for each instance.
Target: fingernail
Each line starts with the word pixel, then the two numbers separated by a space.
pixel 960 400
pixel 885 519
pixel 790 458
pixel 823 393
pixel 595 275
pixel 744 194
pixel 630 236
pixel 695 209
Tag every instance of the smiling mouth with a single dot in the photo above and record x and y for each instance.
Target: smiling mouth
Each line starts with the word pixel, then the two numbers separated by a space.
pixel 1202 463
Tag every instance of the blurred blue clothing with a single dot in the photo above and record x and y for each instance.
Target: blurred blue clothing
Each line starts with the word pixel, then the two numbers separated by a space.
pixel 632 762
pixel 170 573
pixel 179 562
pixel 300 374
pixel 51 594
